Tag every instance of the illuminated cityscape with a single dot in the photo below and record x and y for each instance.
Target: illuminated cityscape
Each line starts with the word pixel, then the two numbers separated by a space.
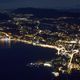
pixel 60 31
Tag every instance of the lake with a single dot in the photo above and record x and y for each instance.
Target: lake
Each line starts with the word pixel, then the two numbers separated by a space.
pixel 15 55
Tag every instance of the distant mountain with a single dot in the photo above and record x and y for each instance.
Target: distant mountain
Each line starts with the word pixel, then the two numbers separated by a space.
pixel 73 10
pixel 38 12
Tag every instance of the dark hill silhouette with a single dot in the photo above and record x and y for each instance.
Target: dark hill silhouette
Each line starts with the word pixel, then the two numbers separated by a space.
pixel 38 12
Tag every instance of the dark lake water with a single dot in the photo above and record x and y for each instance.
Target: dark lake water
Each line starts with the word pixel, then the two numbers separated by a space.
pixel 15 56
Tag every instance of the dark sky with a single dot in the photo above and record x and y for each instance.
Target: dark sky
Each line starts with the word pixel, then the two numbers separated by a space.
pixel 40 3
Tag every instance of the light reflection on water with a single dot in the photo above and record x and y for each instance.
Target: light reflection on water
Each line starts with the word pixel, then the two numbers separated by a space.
pixel 6 44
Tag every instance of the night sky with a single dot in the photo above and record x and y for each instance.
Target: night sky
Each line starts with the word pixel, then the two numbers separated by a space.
pixel 59 4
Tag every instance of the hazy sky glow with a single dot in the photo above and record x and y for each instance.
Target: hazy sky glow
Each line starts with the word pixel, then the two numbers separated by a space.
pixel 40 3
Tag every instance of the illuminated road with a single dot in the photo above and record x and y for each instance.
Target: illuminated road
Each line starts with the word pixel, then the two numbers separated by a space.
pixel 71 57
